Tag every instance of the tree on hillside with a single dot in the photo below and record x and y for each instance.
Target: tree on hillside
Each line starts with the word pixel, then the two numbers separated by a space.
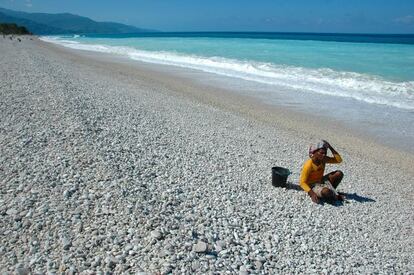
pixel 11 28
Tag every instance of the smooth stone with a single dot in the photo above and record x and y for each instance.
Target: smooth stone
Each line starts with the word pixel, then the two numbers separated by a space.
pixel 12 211
pixel 258 265
pixel 128 247
pixel 200 247
pixel 195 266
pixel 67 194
pixel 22 271
pixel 67 244
pixel 111 262
pixel 156 234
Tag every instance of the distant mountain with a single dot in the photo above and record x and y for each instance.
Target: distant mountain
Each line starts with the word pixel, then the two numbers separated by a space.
pixel 63 23
pixel 32 26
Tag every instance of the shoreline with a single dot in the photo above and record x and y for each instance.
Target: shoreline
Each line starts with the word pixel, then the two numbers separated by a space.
pixel 110 166
pixel 183 82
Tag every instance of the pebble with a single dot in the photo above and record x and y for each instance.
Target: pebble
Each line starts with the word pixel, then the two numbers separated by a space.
pixel 12 212
pixel 66 243
pixel 200 247
pixel 22 271
pixel 258 265
pixel 104 172
pixel 156 234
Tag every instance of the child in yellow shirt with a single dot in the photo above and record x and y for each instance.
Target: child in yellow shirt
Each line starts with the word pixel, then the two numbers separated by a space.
pixel 312 180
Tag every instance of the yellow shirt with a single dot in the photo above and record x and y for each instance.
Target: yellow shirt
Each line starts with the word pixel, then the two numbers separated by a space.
pixel 312 173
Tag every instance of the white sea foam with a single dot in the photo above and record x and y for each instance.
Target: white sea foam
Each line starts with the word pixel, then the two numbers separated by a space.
pixel 361 87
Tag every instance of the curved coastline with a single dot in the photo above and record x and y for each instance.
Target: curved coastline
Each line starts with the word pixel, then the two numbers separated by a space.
pixel 119 166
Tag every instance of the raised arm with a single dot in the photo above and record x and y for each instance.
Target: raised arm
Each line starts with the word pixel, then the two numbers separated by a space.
pixel 336 157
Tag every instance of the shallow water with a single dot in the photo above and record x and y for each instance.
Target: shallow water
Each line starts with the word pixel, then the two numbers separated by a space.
pixel 368 87
pixel 376 73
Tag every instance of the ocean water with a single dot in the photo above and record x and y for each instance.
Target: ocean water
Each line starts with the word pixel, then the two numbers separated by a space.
pixel 350 73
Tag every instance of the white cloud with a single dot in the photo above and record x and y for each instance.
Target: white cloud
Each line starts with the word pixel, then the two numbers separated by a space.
pixel 407 20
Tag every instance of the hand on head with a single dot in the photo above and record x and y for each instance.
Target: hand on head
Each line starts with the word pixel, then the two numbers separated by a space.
pixel 326 144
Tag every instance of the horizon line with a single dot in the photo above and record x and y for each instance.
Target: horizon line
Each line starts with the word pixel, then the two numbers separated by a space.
pixel 282 32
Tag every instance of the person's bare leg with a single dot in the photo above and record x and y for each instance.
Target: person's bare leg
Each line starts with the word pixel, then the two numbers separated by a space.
pixel 335 178
pixel 328 194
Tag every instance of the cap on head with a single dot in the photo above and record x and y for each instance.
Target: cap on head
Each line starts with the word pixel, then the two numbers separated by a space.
pixel 315 147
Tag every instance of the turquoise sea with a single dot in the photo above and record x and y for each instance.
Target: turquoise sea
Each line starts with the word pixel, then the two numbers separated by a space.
pixel 361 76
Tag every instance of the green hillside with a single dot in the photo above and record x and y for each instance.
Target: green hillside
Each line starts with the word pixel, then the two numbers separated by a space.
pixel 64 23
pixel 12 29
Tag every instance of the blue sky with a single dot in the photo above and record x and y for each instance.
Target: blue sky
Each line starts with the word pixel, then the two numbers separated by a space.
pixel 355 16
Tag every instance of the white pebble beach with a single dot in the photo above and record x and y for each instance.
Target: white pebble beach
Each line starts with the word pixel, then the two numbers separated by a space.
pixel 112 166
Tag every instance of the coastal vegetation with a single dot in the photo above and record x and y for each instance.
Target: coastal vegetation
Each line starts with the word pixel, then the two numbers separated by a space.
pixel 63 23
pixel 11 28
